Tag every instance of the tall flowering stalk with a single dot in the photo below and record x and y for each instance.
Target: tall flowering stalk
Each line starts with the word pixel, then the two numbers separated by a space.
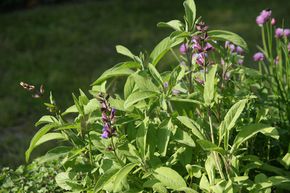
pixel 108 118
pixel 274 61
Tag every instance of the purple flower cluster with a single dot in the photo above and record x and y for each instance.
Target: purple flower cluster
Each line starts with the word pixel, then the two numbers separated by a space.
pixel 198 45
pixel 108 118
pixel 259 56
pixel 235 49
pixel 279 32
pixel 264 16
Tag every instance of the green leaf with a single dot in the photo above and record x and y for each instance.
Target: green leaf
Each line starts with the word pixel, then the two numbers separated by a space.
pixel 204 184
pixel 190 13
pixel 122 174
pixel 71 109
pixel 230 36
pixel 169 178
pixel 78 105
pixel 163 135
pixel 105 179
pixel 209 146
pixel 191 125
pixel 247 132
pixel 210 168
pixel 54 154
pixel 92 106
pixel 208 93
pixel 61 180
pixel 141 137
pixel 144 83
pixel 183 137
pixel 138 96
pixel 286 159
pixel 187 190
pixel 49 137
pixel 162 48
pixel 121 69
pixel 155 74
pixel 46 119
pixel 174 24
pixel 129 86
pixel 230 120
pixel 37 137
pixel 124 51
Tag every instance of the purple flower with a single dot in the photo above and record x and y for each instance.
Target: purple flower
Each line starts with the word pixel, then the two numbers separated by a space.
pixel 260 20
pixel 286 32
pixel 279 32
pixel 264 16
pixel 259 56
pixel 165 84
pixel 239 50
pixel 208 47
pixel 104 116
pixel 199 58
pixel 273 21
pixel 112 115
pixel 197 47
pixel 105 134
pixel 183 48
pixel 232 47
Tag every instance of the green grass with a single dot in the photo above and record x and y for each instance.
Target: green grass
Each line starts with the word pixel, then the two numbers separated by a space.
pixel 67 46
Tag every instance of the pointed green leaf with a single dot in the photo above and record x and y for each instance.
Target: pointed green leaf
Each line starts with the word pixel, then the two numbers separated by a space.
pixel 209 146
pixel 162 48
pixel 191 125
pixel 174 24
pixel 36 137
pixel 190 13
pixel 122 174
pixel 155 74
pixel 138 96
pixel 247 132
pixel 208 93
pixel 228 36
pixel 105 179
pixel 169 178
pixel 121 69
pixel 124 51
pixel 230 120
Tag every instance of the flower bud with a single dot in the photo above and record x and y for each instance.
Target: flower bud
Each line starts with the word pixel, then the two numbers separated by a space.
pixel 273 21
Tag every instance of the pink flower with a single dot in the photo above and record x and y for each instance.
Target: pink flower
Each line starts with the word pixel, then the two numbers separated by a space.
pixel 279 32
pixel 264 16
pixel 273 21
pixel 259 56
pixel 183 48
pixel 286 32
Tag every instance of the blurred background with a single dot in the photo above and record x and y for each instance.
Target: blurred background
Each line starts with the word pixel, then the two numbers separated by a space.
pixel 66 44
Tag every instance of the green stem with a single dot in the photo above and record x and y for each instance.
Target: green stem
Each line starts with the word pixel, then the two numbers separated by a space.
pixel 115 153
pixel 216 157
pixel 264 41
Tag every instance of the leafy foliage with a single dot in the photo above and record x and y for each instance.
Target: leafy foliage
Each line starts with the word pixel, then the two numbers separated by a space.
pixel 192 128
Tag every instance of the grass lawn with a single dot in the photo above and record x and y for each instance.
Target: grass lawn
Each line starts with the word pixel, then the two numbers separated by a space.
pixel 67 46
